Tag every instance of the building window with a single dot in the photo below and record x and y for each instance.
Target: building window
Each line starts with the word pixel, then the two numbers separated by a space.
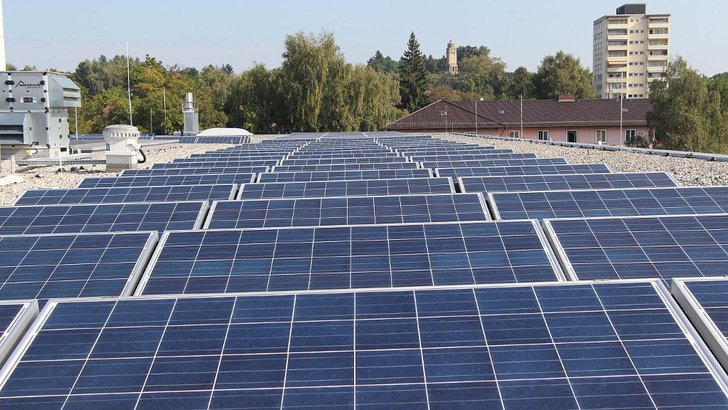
pixel 636 63
pixel 636 31
pixel 636 53
pixel 571 136
pixel 514 134
pixel 629 135
pixel 598 25
pixel 601 136
pixel 598 35
pixel 598 46
pixel 543 135
pixel 598 56
pixel 597 67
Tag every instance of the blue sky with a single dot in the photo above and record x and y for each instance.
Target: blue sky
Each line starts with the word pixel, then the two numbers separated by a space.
pixel 194 33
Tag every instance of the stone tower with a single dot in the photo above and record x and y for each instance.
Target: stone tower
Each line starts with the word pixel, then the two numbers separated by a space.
pixel 452 58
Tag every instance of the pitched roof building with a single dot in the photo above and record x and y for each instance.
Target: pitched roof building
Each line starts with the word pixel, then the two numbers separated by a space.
pixel 567 119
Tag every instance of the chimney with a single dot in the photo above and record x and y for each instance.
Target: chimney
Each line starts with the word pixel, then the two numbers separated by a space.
pixel 567 98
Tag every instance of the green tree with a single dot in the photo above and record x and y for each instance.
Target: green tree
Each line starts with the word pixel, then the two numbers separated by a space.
pixel 563 74
pixel 382 64
pixel 521 84
pixel 685 115
pixel 413 77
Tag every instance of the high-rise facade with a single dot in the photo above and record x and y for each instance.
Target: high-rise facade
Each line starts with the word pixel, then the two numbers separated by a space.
pixel 631 50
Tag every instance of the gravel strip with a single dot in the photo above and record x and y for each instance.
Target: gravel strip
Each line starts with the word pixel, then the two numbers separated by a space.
pixel 687 171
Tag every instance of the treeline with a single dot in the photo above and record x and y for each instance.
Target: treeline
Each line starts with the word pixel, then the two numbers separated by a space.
pixel 314 89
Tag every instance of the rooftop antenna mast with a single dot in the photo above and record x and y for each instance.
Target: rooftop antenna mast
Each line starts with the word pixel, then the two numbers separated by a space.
pixel 128 82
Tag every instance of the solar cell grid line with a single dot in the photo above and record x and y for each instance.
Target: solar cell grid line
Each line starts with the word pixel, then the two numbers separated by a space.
pixel 167 180
pixel 554 182
pixel 362 187
pixel 208 164
pixel 50 266
pixel 351 210
pixel 660 247
pixel 15 318
pixel 344 257
pixel 147 216
pixel 307 176
pixel 345 167
pixel 452 348
pixel 704 301
pixel 472 151
pixel 542 167
pixel 172 193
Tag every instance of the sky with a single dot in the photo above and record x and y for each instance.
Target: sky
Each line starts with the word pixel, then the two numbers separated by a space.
pixel 194 33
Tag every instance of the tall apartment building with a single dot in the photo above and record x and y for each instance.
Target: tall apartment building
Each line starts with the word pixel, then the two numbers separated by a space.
pixel 631 49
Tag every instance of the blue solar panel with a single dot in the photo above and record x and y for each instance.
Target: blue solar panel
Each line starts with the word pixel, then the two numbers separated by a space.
pixel 306 176
pixel 641 247
pixel 325 161
pixel 345 167
pixel 620 345
pixel 455 157
pixel 554 182
pixel 173 193
pixel 528 167
pixel 150 216
pixel 166 180
pixel 362 187
pixel 609 202
pixel 192 171
pixel 274 213
pixel 705 301
pixel 483 163
pixel 349 257
pixel 72 265
pixel 217 164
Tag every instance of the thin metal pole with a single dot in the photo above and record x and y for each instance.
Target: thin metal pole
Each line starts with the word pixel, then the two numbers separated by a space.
pixel 164 102
pixel 150 120
pixel 522 136
pixel 128 83
pixel 75 109
pixel 620 120
pixel 476 118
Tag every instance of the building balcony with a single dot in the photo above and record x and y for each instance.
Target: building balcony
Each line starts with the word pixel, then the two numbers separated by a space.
pixel 617 26
pixel 617 59
pixel 615 80
pixel 656 69
pixel 616 47
pixel 659 46
pixel 620 69
pixel 615 37
pixel 658 57
pixel 658 36
pixel 658 24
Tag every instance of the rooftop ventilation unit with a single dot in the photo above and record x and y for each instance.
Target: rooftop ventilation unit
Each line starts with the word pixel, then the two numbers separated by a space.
pixel 34 108
pixel 190 116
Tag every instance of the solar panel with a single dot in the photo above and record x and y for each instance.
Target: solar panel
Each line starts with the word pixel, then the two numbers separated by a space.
pixel 609 202
pixel 345 167
pixel 257 260
pixel 232 157
pixel 173 193
pixel 217 164
pixel 15 318
pixel 167 180
pixel 641 247
pixel 192 171
pixel 554 182
pixel 616 346
pixel 455 157
pixel 503 167
pixel 149 216
pixel 72 265
pixel 325 161
pixel 705 302
pixel 307 176
pixel 275 213
pixel 362 187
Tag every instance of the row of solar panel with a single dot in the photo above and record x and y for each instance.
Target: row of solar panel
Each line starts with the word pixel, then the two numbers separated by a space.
pixel 182 139
pixel 34 266
pixel 609 345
